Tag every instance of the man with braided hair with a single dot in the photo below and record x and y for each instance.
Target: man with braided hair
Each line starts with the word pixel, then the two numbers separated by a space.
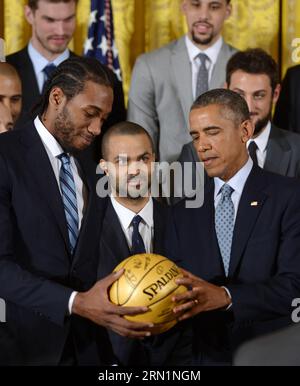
pixel 49 229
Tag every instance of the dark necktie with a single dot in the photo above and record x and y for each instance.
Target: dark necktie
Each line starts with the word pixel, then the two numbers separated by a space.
pixel 48 70
pixel 252 151
pixel 202 78
pixel 224 224
pixel 68 191
pixel 138 245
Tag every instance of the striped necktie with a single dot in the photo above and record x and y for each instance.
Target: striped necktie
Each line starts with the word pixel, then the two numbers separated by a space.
pixel 68 191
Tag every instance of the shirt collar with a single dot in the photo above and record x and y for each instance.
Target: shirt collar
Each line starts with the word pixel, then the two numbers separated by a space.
pixel 40 62
pixel 262 139
pixel 48 139
pixel 212 52
pixel 237 182
pixel 126 215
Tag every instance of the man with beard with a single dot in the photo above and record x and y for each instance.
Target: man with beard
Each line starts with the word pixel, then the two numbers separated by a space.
pixel 166 82
pixel 50 226
pixel 254 75
pixel 53 24
pixel 134 223
pixel 6 121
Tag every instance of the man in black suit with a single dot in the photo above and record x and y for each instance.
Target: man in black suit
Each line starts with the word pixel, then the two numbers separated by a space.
pixel 128 159
pixel 53 24
pixel 242 246
pixel 50 223
pixel 254 75
pixel 287 113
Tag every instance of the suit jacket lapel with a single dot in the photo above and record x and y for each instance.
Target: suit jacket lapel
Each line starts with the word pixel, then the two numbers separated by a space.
pixel 279 153
pixel 182 75
pixel 219 75
pixel 42 174
pixel 251 203
pixel 159 216
pixel 113 235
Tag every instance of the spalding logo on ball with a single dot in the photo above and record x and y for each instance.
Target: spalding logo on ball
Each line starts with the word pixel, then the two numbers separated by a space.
pixel 148 280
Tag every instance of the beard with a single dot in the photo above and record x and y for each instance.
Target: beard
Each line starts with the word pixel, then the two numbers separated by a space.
pixel 261 124
pixel 205 40
pixel 64 130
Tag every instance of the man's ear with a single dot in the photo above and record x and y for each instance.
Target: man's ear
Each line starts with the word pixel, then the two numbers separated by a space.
pixel 247 130
pixel 57 97
pixel 276 93
pixel 29 14
pixel 103 166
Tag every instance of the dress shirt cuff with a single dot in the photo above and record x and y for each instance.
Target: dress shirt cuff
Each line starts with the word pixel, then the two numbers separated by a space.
pixel 71 300
pixel 229 294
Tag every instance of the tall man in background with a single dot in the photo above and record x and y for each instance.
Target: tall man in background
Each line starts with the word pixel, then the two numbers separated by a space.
pixel 53 24
pixel 165 82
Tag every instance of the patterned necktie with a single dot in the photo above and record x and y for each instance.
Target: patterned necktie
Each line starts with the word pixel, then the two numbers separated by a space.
pixel 48 71
pixel 202 78
pixel 224 223
pixel 68 191
pixel 138 245
pixel 252 151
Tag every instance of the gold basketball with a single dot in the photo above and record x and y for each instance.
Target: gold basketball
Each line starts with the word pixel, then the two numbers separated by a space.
pixel 148 280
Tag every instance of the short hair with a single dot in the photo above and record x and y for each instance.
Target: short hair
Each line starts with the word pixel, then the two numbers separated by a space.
pixel 234 106
pixel 71 76
pixel 253 61
pixel 123 128
pixel 8 70
pixel 33 4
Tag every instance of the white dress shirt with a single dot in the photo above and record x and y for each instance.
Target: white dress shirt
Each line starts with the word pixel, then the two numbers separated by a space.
pixel 39 63
pixel 146 227
pixel 262 141
pixel 193 52
pixel 54 149
pixel 237 182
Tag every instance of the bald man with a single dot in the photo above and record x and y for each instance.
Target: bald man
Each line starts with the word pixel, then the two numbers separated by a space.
pixel 10 90
pixel 6 122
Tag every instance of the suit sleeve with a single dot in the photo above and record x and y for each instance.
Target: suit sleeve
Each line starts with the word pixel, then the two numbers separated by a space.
pixel 141 102
pixel 18 285
pixel 273 298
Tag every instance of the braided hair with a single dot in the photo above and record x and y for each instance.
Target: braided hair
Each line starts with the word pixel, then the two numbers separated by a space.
pixel 71 76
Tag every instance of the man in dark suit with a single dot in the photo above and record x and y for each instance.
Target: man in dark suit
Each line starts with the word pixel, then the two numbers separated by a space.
pixel 287 113
pixel 240 249
pixel 50 226
pixel 254 75
pixel 53 24
pixel 128 157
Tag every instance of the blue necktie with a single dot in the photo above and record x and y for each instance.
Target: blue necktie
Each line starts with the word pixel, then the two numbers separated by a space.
pixel 48 71
pixel 224 223
pixel 68 191
pixel 138 245
pixel 202 78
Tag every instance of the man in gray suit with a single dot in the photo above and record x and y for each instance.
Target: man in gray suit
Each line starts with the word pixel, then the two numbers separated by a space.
pixel 166 81
pixel 254 75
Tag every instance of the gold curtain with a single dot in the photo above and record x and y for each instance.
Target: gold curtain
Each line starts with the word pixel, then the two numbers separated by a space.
pixel 143 25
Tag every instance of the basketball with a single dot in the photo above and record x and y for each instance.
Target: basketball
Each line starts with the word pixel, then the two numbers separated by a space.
pixel 148 280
